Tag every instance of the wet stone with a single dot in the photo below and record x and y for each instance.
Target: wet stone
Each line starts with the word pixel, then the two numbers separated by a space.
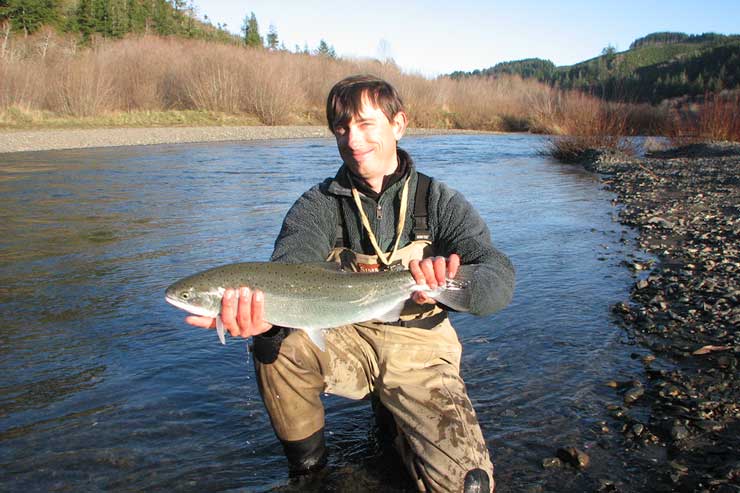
pixel 551 463
pixel 679 431
pixel 573 456
pixel 633 394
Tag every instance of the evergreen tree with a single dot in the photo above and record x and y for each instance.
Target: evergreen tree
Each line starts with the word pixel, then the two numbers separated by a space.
pixel 28 15
pixel 272 38
pixel 101 16
pixel 325 50
pixel 85 19
pixel 251 32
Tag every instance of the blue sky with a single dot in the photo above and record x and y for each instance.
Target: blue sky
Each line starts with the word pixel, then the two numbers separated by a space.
pixel 435 37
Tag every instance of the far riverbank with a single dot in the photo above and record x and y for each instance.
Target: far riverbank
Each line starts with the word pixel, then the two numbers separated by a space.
pixel 46 140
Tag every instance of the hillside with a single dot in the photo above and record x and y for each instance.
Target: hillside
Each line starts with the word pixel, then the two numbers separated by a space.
pixel 656 67
pixel 109 18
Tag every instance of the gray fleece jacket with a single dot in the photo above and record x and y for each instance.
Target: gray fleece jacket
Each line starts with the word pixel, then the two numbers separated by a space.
pixel 309 230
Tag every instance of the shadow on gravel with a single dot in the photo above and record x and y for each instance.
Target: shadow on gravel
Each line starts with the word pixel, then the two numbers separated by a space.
pixel 697 150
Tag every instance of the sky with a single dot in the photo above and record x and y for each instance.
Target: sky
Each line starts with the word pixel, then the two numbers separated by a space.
pixel 436 37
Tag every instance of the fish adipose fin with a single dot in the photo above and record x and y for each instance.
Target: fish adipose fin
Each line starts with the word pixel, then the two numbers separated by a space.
pixel 456 294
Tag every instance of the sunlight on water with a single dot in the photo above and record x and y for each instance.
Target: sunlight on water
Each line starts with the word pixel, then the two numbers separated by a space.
pixel 105 387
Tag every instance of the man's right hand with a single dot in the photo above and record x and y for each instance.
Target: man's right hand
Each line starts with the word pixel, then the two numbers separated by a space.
pixel 241 315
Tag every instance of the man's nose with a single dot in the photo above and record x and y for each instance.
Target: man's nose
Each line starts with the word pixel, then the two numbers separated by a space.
pixel 354 137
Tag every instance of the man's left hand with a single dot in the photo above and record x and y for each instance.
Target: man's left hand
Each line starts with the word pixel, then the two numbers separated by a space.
pixel 433 272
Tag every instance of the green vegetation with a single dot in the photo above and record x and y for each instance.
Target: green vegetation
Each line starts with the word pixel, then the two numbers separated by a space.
pixel 656 67
pixel 529 68
pixel 91 19
pixel 109 18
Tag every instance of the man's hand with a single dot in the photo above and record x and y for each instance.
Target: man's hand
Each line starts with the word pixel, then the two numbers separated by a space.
pixel 241 315
pixel 432 271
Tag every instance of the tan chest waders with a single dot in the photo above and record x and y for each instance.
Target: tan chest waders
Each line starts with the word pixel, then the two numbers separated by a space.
pixel 412 367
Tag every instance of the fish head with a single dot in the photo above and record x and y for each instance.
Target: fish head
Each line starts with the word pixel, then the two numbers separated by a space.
pixel 188 296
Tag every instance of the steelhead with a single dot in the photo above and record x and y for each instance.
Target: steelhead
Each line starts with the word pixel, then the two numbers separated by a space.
pixel 314 297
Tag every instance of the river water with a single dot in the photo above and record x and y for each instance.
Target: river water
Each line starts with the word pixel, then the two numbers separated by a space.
pixel 104 387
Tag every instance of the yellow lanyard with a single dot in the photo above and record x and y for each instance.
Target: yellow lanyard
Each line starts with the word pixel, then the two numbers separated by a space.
pixel 401 220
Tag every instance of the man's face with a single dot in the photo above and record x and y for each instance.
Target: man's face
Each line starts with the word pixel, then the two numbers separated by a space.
pixel 367 143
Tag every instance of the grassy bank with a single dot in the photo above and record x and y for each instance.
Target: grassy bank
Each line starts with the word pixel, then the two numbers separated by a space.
pixel 15 118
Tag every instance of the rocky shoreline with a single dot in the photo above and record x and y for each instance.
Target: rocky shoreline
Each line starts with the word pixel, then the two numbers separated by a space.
pixel 684 308
pixel 45 140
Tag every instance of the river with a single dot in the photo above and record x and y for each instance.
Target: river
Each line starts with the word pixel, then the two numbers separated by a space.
pixel 104 387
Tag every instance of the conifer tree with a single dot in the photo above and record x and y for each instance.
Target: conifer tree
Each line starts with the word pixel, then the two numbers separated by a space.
pixel 272 38
pixel 251 32
pixel 28 15
pixel 325 50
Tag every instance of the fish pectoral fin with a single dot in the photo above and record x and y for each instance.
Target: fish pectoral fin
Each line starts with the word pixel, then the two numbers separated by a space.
pixel 317 337
pixel 220 329
pixel 393 314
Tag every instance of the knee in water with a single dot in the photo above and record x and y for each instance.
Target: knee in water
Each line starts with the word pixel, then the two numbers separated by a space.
pixel 306 456
pixel 476 481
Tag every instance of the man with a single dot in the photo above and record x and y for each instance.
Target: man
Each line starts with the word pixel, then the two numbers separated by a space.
pixel 376 213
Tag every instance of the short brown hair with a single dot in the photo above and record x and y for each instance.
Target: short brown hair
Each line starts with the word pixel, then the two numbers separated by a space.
pixel 345 99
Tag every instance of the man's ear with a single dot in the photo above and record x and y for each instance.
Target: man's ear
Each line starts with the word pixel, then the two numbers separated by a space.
pixel 400 122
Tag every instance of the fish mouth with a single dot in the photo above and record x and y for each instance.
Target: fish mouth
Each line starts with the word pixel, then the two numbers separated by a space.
pixel 195 310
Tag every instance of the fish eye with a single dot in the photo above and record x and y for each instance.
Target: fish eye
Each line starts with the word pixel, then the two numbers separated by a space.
pixel 184 295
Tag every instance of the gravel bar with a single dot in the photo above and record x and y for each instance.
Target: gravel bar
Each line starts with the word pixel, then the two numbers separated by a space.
pixel 45 140
pixel 683 313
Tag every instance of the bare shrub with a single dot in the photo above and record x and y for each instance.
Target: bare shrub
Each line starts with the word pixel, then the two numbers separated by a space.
pixel 587 124
pixel 719 117
pixel 20 83
pixel 422 99
pixel 212 81
pixel 82 86
pixel 272 87
pixel 138 71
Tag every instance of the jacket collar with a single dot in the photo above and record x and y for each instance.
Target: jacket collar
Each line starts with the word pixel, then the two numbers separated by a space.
pixel 340 184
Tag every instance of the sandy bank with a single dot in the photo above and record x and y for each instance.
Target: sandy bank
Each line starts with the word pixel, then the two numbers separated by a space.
pixel 44 140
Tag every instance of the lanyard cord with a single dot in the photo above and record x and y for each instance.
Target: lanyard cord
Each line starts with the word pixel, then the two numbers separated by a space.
pixel 366 221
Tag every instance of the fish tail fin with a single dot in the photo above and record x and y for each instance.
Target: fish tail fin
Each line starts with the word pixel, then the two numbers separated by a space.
pixel 317 337
pixel 456 293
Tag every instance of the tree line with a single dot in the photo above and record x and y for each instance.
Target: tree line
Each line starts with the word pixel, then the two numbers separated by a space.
pixel 116 18
pixel 656 67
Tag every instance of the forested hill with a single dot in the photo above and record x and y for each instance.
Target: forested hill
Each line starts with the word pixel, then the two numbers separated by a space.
pixel 655 67
pixel 110 18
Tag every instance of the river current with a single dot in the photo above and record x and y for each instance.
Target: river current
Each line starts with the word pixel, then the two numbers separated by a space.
pixel 104 387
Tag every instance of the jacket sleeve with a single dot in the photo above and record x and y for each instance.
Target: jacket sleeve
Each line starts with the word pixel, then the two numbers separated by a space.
pixel 308 230
pixel 458 228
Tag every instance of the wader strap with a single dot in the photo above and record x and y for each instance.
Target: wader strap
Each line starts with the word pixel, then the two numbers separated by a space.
pixel 341 231
pixel 420 230
pixel 366 222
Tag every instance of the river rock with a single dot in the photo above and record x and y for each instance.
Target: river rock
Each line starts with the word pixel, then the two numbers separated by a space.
pixel 573 456
pixel 551 462
pixel 633 394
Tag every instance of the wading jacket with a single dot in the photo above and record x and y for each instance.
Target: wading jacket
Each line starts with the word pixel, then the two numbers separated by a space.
pixel 309 230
